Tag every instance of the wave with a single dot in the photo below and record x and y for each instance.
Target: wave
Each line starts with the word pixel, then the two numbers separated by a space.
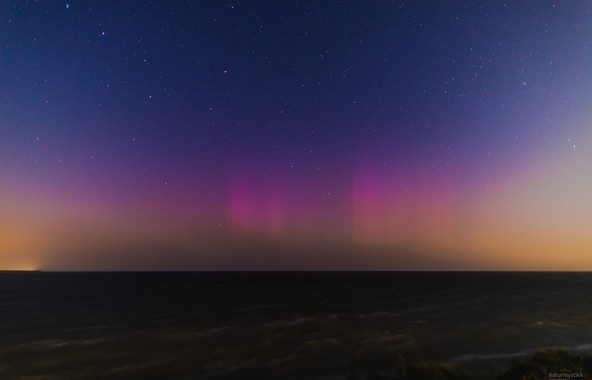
pixel 473 357
pixel 54 344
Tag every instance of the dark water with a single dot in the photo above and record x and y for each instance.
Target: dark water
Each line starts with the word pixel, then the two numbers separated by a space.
pixel 279 325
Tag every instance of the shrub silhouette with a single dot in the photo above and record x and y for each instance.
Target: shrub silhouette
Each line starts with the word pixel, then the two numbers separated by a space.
pixel 544 362
pixel 536 367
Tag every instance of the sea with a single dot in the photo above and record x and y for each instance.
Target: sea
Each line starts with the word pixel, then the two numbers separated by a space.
pixel 281 325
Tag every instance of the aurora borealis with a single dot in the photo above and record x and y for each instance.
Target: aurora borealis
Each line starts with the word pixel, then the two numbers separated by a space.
pixel 295 135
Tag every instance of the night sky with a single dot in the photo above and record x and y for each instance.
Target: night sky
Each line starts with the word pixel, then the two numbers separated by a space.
pixel 295 135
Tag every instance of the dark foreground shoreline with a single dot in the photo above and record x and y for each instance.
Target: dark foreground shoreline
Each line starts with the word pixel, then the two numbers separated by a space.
pixel 295 325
